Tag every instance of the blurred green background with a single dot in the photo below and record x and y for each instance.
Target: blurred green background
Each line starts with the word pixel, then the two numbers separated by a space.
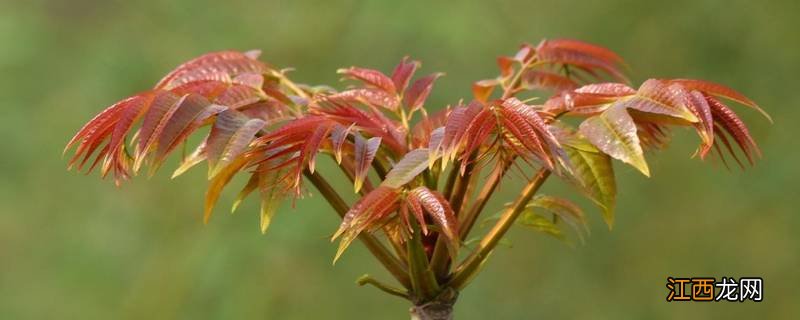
pixel 76 247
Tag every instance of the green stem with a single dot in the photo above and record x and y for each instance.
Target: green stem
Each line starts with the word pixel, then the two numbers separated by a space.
pixel 389 261
pixel 472 264
pixel 451 180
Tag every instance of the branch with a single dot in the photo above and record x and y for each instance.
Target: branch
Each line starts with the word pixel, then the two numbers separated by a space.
pixel 440 260
pixel 489 186
pixel 389 261
pixel 367 279
pixel 471 264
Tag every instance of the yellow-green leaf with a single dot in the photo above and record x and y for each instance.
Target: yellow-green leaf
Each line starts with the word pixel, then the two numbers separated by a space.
pixel 614 133
pixel 412 164
pixel 218 183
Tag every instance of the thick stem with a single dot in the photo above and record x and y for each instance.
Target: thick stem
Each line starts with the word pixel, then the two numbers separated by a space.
pixel 471 264
pixel 389 261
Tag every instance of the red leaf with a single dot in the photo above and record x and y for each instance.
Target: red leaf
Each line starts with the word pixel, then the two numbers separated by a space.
pixel 375 97
pixel 536 79
pixel 371 122
pixel 113 124
pixel 365 151
pixel 440 212
pixel 586 48
pixel 730 122
pixel 458 121
pixel 186 117
pixel 231 134
pixel 338 137
pixel 419 91
pixel 506 65
pixel 721 91
pixel 237 95
pixel 705 127
pixel 611 89
pixel 370 77
pixel 403 73
pixel 483 89
pixel 585 56
pixel 212 66
pixel 372 207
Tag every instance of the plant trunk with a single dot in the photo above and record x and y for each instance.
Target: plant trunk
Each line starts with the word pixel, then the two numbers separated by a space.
pixel 435 310
pixel 440 308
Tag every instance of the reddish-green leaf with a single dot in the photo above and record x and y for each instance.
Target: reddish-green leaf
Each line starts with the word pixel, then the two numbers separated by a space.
pixel 611 89
pixel 658 97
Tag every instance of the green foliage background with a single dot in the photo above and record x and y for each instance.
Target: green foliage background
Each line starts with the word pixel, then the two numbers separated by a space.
pixel 75 247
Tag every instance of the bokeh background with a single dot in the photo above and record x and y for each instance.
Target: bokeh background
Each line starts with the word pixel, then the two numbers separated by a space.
pixel 75 247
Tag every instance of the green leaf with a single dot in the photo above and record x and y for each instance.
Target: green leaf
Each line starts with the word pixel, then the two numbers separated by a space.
pixel 539 223
pixel 251 186
pixel 614 133
pixel 564 210
pixel 269 184
pixel 197 156
pixel 594 175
